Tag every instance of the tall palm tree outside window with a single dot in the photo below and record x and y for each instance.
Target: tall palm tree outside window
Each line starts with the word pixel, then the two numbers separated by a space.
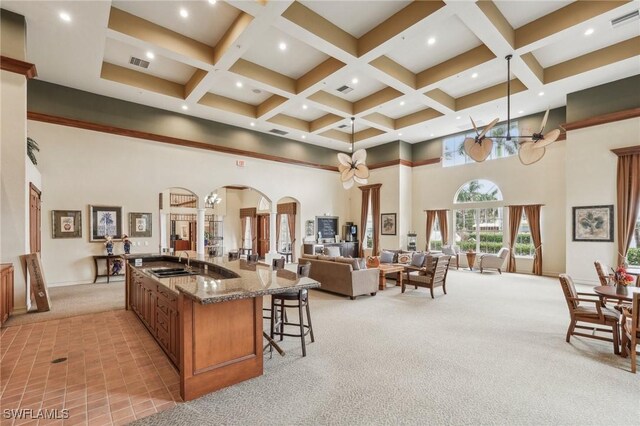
pixel 453 146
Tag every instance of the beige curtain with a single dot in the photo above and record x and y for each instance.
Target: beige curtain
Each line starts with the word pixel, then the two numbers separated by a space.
pixel 278 220
pixel 250 213
pixel 254 234
pixel 628 201
pixel 443 221
pixel 364 212
pixel 243 222
pixel 515 217
pixel 375 212
pixel 533 217
pixel 291 220
pixel 431 218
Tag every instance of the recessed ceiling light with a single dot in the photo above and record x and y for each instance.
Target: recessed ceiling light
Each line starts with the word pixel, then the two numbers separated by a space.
pixel 588 32
pixel 354 80
pixel 282 46
pixel 399 134
pixel 431 41
pixel 252 124
pixel 238 84
pixel 474 75
pixel 184 13
pixel 65 16
pixel 458 118
pixel 304 107
pixel 520 112
pixel 184 107
pixel 431 135
pixel 150 55
pixel 401 103
pixel 303 137
pixel 541 94
pixel 212 1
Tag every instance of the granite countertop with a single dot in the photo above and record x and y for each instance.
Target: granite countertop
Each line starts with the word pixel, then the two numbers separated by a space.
pixel 225 280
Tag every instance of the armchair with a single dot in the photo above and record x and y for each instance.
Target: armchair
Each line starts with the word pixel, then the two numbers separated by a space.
pixel 454 252
pixel 605 279
pixel 594 313
pixel 494 261
pixel 434 275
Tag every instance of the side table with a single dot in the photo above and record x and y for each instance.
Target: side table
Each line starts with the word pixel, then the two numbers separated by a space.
pixel 471 259
pixel 109 261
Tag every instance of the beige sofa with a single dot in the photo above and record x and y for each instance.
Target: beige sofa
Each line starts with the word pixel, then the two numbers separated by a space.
pixel 337 275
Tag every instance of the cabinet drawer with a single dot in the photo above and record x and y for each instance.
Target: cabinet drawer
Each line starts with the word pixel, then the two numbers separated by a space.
pixel 163 338
pixel 169 297
pixel 165 305
pixel 162 321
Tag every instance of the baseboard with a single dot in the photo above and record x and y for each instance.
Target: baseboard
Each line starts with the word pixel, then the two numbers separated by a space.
pixel 19 311
pixel 83 282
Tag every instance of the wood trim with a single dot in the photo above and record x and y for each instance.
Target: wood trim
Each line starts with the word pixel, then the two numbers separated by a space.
pixel 395 162
pixel 375 185
pixel 19 67
pixel 239 188
pixel 628 150
pixel 603 119
pixel 435 160
pixel 70 122
pixel 35 188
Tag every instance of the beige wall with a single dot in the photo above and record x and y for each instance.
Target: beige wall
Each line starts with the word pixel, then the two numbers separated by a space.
pixel 590 173
pixel 81 167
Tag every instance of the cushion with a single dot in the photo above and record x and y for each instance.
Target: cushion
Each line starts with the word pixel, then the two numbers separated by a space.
pixel 348 260
pixel 418 259
pixel 362 263
pixel 609 314
pixel 327 258
pixel 405 258
pixel 373 261
pixel 387 256
pixel 332 251
pixel 309 256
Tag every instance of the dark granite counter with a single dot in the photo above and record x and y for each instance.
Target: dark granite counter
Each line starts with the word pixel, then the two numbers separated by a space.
pixel 221 280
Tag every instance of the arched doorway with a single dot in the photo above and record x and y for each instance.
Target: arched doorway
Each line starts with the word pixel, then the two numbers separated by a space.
pixel 288 228
pixel 178 220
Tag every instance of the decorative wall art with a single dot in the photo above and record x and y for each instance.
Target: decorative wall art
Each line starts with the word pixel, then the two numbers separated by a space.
pixel 593 223
pixel 140 225
pixel 388 223
pixel 66 223
pixel 105 220
pixel 308 228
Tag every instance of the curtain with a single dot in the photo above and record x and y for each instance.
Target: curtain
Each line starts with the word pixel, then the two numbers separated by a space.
pixel 243 221
pixel 628 201
pixel 250 213
pixel 254 234
pixel 278 220
pixel 375 212
pixel 533 216
pixel 431 218
pixel 515 217
pixel 291 220
pixel 443 220
pixel 364 213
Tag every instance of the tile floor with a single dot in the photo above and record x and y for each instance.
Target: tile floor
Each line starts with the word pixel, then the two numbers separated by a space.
pixel 114 372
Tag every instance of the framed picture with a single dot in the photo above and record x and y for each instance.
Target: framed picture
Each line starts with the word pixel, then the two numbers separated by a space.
pixel 308 228
pixel 66 223
pixel 593 223
pixel 388 223
pixel 105 220
pixel 140 225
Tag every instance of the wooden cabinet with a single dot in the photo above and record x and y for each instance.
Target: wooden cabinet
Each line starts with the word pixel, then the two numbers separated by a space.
pixel 157 308
pixel 348 249
pixel 6 292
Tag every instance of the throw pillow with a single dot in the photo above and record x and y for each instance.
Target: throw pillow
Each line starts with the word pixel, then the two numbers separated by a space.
pixel 386 256
pixel 373 262
pixel 332 251
pixel 362 263
pixel 418 260
pixel 404 258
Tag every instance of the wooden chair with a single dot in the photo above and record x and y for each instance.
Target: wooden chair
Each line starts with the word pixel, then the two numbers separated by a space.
pixel 605 279
pixel 253 258
pixel 278 263
pixel 581 311
pixel 234 255
pixel 432 277
pixel 631 330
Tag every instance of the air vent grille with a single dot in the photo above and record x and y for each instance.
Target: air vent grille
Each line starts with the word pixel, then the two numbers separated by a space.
pixel 624 19
pixel 278 132
pixel 139 62
pixel 344 89
pixel 342 126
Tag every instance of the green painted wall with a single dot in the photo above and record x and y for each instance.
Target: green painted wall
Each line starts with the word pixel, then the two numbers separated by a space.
pixel 12 35
pixel 606 98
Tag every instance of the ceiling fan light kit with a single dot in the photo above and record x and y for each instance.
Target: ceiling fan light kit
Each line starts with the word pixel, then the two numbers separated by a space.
pixel 531 149
pixel 353 168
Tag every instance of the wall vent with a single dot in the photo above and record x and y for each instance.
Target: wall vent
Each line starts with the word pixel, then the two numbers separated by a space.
pixel 625 19
pixel 139 62
pixel 342 126
pixel 278 132
pixel 344 89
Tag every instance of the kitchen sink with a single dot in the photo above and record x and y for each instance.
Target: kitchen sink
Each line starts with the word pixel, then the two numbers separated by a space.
pixel 172 272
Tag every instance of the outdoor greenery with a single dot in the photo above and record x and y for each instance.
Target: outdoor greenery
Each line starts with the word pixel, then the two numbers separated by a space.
pixel 453 147
pixel 633 256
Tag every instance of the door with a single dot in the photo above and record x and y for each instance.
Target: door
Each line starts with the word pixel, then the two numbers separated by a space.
pixel 263 235
pixel 35 222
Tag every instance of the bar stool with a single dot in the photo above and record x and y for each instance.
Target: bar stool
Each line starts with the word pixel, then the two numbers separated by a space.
pixel 234 255
pixel 278 263
pixel 252 258
pixel 298 299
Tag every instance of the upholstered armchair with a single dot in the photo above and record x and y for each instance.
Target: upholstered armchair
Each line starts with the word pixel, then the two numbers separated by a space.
pixel 454 252
pixel 494 261
pixel 434 275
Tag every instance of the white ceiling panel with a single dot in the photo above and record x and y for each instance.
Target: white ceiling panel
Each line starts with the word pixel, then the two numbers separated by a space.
pixel 401 107
pixel 225 85
pixel 521 12
pixel 364 87
pixel 309 113
pixel 488 74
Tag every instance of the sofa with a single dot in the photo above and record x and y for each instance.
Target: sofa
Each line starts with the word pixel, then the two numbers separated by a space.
pixel 342 275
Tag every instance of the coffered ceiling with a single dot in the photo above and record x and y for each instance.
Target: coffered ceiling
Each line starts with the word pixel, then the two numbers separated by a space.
pixel 414 70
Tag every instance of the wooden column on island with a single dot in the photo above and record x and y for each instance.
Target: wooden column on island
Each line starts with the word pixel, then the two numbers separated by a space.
pixel 221 344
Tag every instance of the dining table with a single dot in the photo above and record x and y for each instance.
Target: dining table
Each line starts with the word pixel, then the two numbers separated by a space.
pixel 613 292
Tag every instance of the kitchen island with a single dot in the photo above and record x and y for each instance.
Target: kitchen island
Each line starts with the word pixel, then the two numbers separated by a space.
pixel 207 317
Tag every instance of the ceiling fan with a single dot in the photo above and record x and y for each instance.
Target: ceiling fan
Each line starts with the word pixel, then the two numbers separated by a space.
pixel 530 150
pixel 353 168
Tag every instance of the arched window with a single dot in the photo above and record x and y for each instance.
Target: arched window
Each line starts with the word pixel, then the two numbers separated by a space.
pixel 477 191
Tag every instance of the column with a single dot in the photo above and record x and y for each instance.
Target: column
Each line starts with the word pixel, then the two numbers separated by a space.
pixel 273 243
pixel 200 238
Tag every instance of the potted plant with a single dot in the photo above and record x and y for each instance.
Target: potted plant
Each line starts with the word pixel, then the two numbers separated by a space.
pixel 32 145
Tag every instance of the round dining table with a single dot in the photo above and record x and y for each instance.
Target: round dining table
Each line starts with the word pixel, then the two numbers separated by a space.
pixel 612 292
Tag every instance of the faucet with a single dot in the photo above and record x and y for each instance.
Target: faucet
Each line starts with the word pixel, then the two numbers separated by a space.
pixel 188 258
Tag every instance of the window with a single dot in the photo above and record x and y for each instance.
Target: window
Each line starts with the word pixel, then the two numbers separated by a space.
pixel 436 237
pixel 633 255
pixel 284 243
pixel 368 235
pixel 479 229
pixel 247 240
pixel 453 146
pixel 524 245
pixel 478 190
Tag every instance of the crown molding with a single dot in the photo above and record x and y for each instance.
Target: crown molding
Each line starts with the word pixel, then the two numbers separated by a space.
pixel 603 119
pixel 19 67
pixel 628 150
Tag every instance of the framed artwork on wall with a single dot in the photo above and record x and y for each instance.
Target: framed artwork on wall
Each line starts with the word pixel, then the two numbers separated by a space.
pixel 139 225
pixel 593 223
pixel 66 223
pixel 308 228
pixel 105 220
pixel 388 223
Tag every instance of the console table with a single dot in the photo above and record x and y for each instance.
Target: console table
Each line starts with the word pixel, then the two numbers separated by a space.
pixel 109 261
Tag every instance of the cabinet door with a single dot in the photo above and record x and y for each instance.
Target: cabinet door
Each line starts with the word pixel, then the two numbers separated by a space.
pixel 3 297
pixel 174 336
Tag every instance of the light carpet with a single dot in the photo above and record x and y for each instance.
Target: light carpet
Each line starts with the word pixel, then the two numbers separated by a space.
pixel 492 351
pixel 72 300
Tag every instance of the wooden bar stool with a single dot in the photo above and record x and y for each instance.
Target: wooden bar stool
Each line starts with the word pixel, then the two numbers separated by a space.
pixel 297 299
